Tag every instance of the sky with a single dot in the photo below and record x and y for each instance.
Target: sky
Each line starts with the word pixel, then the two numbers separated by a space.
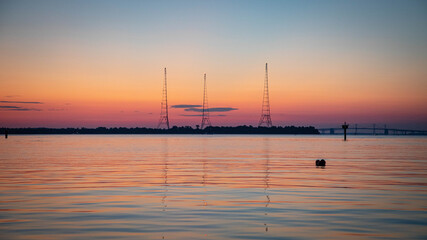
pixel 100 63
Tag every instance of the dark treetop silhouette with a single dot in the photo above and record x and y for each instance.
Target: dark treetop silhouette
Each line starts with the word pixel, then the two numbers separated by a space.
pixel 174 130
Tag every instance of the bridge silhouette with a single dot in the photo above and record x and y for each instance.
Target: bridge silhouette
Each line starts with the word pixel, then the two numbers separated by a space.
pixel 354 130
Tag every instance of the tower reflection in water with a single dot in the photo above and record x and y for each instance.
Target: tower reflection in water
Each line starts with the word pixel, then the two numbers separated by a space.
pixel 204 180
pixel 165 177
pixel 266 180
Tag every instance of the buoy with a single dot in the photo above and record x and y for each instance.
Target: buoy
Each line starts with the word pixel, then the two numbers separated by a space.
pixel 321 162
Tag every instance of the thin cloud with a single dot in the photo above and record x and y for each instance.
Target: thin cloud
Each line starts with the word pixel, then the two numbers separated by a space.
pixel 16 108
pixel 199 115
pixel 20 102
pixel 9 107
pixel 185 106
pixel 219 109
pixel 222 109
pixel 191 115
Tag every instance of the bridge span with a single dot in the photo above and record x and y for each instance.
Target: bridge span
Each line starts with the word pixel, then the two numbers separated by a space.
pixel 371 131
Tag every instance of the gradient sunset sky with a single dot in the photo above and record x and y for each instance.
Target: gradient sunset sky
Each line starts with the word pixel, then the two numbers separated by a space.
pixel 100 63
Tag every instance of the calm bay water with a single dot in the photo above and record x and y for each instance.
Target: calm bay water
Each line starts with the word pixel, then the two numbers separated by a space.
pixel 212 187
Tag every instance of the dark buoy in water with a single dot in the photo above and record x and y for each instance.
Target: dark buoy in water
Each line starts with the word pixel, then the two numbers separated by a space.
pixel 320 163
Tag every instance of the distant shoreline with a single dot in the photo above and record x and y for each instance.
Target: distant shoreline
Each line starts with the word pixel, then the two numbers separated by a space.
pixel 174 130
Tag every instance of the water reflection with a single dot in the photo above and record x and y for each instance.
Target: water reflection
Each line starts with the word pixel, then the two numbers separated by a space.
pixel 165 178
pixel 204 181
pixel 266 178
pixel 212 187
pixel 204 195
pixel 204 171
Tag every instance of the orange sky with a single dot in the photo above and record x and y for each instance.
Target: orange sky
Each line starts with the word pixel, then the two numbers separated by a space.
pixel 104 68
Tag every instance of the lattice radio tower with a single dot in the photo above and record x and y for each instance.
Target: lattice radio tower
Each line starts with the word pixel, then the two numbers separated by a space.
pixel 265 114
pixel 164 116
pixel 205 112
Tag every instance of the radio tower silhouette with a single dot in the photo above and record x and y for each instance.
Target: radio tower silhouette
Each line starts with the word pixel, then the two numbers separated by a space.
pixel 265 114
pixel 205 112
pixel 164 116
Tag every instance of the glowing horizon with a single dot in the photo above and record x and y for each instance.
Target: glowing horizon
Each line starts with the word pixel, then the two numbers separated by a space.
pixel 101 63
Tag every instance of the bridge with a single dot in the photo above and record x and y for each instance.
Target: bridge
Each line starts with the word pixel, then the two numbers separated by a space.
pixel 371 131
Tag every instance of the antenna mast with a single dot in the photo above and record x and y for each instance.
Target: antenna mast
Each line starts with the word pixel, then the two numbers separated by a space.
pixel 164 115
pixel 205 112
pixel 265 114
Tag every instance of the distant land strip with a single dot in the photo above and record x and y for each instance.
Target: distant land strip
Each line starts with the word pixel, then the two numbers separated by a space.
pixel 174 130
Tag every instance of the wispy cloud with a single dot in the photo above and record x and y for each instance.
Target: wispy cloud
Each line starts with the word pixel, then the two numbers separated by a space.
pixel 199 115
pixel 191 115
pixel 185 106
pixel 199 109
pixel 9 107
pixel 20 102
pixel 16 108
pixel 218 109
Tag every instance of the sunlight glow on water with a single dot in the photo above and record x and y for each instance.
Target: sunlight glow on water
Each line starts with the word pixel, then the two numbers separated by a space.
pixel 212 187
